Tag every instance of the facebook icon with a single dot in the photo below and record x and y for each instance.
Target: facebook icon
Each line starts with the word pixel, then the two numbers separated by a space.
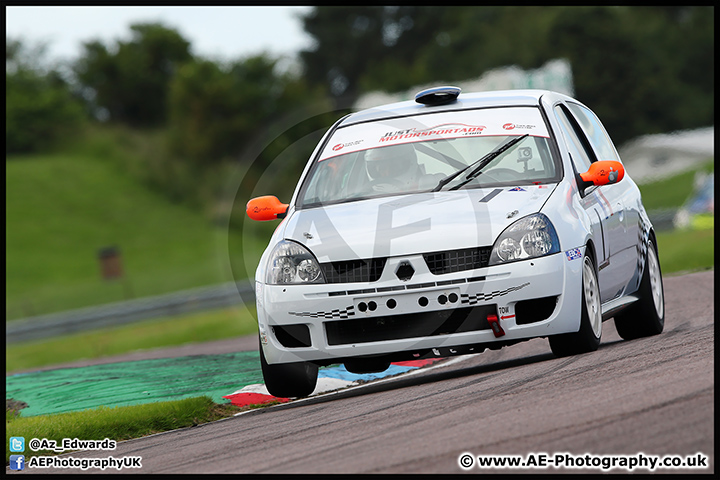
pixel 17 462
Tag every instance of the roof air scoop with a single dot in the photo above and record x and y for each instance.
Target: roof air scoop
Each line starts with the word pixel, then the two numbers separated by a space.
pixel 437 95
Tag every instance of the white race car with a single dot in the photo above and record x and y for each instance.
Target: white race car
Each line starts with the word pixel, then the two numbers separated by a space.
pixel 448 225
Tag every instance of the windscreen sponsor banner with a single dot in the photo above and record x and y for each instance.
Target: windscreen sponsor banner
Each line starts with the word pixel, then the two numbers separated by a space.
pixel 438 126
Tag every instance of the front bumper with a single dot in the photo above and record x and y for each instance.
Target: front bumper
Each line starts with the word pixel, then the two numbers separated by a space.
pixel 330 322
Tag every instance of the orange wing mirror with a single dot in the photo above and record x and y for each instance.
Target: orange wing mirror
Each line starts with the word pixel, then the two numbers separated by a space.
pixel 604 172
pixel 266 208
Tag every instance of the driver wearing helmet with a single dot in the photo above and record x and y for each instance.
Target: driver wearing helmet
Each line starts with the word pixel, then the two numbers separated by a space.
pixel 393 168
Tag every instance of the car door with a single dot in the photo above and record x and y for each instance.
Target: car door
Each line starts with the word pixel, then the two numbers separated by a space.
pixel 622 197
pixel 603 206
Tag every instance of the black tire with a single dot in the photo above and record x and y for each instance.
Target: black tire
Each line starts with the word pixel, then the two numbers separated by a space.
pixel 587 339
pixel 287 380
pixel 645 317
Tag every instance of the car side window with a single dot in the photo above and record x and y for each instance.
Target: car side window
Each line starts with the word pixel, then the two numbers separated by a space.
pixel 595 132
pixel 580 156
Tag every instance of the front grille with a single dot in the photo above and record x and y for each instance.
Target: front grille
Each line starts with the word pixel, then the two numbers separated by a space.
pixel 353 271
pixel 457 260
pixel 412 325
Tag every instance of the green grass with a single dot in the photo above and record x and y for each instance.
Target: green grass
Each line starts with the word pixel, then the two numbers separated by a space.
pixel 122 423
pixel 681 250
pixel 119 423
pixel 62 209
pixel 164 332
pixel 684 251
pixel 671 192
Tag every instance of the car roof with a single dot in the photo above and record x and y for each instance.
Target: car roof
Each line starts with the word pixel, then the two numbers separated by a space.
pixel 499 98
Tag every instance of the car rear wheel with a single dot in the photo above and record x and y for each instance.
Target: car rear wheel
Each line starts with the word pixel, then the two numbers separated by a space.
pixel 645 317
pixel 289 379
pixel 587 339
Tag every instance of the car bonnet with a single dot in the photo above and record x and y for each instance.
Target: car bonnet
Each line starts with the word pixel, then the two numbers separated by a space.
pixel 413 224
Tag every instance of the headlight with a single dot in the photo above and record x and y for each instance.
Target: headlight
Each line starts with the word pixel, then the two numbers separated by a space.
pixel 291 263
pixel 530 237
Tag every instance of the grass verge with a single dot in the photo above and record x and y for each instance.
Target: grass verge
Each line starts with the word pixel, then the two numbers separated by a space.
pixel 119 423
pixel 163 332
pixel 683 251
pixel 62 210
pixel 672 192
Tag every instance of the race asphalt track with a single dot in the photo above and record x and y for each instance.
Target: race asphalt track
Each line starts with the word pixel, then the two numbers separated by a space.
pixel 653 396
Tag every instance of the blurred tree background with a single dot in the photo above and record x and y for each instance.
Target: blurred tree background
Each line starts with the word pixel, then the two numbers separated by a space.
pixel 40 107
pixel 142 143
pixel 642 69
pixel 130 82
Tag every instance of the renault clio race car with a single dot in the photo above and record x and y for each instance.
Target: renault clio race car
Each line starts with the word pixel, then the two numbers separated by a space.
pixel 448 225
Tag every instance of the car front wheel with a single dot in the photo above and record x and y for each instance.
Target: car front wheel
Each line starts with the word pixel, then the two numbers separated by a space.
pixel 587 339
pixel 646 316
pixel 289 379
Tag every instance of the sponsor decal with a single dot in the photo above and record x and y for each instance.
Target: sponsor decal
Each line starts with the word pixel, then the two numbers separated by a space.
pixel 455 129
pixel 573 254
pixel 340 146
pixel 429 127
pixel 513 126
pixel 517 189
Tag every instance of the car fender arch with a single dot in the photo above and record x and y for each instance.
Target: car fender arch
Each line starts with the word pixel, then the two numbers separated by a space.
pixel 590 250
pixel 573 223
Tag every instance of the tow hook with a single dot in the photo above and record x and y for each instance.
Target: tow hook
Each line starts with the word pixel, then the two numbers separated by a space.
pixel 495 325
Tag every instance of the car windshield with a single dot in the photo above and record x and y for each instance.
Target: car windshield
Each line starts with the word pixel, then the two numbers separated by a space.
pixel 432 152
